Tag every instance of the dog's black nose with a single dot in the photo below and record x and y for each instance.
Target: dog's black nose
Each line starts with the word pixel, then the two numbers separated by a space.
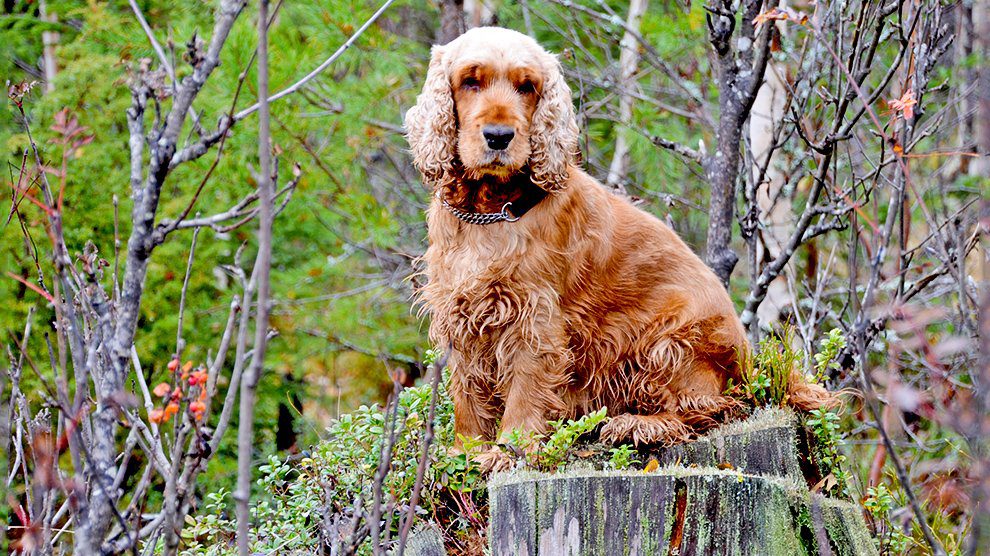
pixel 498 136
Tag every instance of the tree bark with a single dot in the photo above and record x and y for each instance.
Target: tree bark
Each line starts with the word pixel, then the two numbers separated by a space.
pixel 452 20
pixel 739 75
pixel 981 128
pixel 764 121
pixel 477 13
pixel 146 190
pixel 628 68
pixel 262 272
pixel 49 39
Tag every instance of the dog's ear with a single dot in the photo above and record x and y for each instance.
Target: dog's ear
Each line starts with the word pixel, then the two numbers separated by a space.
pixel 431 126
pixel 554 132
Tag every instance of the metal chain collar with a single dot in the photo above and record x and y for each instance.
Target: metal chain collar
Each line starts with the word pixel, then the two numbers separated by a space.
pixel 481 218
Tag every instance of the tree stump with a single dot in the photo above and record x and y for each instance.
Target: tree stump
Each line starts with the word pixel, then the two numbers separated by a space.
pixel 426 540
pixel 739 491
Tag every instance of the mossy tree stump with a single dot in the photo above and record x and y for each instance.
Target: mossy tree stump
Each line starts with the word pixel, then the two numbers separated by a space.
pixel 739 491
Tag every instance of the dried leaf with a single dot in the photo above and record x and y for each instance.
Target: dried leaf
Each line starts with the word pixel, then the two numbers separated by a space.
pixel 651 466
pixel 826 484
pixel 905 104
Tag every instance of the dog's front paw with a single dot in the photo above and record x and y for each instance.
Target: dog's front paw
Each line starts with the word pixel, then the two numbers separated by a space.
pixel 665 430
pixel 493 460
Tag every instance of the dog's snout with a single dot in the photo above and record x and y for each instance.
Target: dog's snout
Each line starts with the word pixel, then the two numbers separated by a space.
pixel 498 136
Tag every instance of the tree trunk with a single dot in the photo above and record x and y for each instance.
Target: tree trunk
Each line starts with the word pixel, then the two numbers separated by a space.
pixel 628 67
pixel 452 20
pixel 981 45
pixel 477 13
pixel 739 76
pixel 765 118
pixel 721 171
pixel 49 39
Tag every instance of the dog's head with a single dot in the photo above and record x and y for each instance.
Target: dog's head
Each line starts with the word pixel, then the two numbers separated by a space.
pixel 494 103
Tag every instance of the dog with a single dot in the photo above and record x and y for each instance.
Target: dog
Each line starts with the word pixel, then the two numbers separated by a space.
pixel 556 296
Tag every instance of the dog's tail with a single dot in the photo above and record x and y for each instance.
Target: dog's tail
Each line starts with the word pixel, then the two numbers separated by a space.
pixel 806 396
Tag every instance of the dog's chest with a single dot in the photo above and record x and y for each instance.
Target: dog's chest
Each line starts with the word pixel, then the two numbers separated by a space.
pixel 481 283
pixel 477 255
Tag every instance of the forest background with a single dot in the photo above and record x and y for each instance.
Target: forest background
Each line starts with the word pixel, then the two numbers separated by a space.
pixel 870 140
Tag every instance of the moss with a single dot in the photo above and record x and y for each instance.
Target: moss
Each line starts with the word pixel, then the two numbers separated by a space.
pixel 845 526
pixel 426 540
pixel 600 510
pixel 762 418
pixel 760 504
pixel 728 511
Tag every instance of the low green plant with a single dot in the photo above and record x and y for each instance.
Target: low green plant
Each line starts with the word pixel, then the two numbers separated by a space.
pixel 548 452
pixel 343 468
pixel 283 517
pixel 622 456
pixel 564 434
pixel 889 539
pixel 766 375
pixel 827 358
pixel 824 426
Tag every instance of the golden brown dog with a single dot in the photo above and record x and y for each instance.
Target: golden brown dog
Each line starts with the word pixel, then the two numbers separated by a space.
pixel 583 302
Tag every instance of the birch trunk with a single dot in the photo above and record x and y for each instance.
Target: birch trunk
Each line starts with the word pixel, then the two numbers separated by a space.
pixel 981 127
pixel 49 39
pixel 477 13
pixel 628 67
pixel 775 213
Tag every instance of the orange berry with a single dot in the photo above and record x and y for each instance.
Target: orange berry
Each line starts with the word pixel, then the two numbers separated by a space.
pixel 198 409
pixel 162 390
pixel 173 365
pixel 156 416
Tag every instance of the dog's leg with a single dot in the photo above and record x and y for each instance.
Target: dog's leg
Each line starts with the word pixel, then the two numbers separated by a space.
pixel 473 416
pixel 532 382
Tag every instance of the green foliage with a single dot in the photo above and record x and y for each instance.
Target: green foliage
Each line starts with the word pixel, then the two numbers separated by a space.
pixel 825 427
pixel 879 502
pixel 827 358
pixel 285 519
pixel 337 471
pixel 553 452
pixel 622 456
pixel 347 213
pixel 549 452
pixel 326 351
pixel 767 375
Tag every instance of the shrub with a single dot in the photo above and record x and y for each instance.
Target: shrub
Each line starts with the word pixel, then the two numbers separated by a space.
pixel 299 499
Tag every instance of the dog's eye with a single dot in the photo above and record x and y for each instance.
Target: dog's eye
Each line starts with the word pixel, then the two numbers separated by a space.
pixel 470 84
pixel 526 87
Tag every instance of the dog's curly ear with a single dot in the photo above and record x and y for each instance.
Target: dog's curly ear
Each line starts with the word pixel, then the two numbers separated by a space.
pixel 431 126
pixel 554 132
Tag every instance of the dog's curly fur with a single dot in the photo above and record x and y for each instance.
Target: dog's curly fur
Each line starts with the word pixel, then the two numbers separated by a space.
pixel 584 302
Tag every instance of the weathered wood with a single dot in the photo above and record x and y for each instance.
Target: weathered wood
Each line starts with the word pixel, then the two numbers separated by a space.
pixel 764 444
pixel 426 540
pixel 759 504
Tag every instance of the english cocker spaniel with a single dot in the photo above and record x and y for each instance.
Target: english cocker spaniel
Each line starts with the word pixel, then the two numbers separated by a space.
pixel 556 296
